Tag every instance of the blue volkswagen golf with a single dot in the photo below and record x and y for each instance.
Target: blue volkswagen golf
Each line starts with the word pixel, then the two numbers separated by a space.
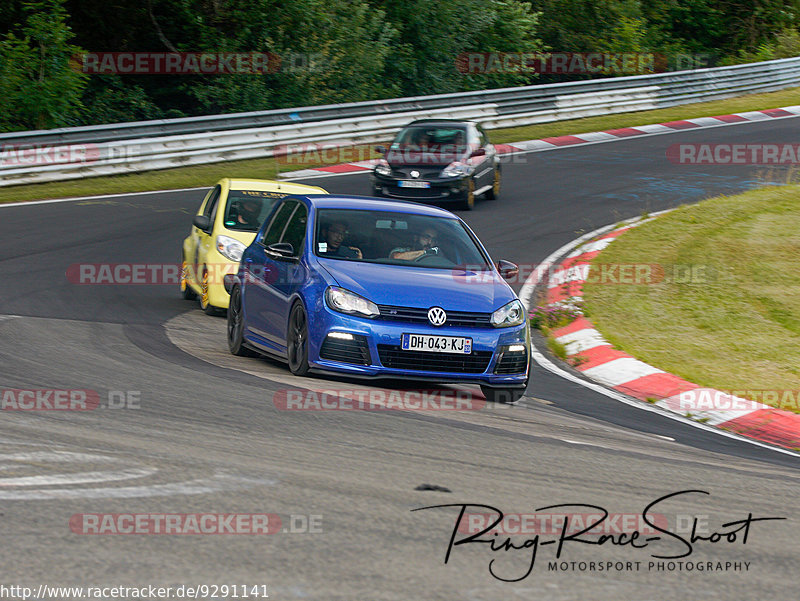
pixel 378 288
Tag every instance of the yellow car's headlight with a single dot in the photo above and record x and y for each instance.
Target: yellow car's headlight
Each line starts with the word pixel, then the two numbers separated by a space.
pixel 230 248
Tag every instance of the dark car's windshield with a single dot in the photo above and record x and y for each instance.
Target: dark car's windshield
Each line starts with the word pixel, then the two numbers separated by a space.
pixel 395 239
pixel 432 137
pixel 247 209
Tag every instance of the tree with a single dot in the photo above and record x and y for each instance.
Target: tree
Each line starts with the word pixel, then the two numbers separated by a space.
pixel 39 82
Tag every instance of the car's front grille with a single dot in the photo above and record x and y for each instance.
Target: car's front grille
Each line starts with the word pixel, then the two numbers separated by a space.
pixel 461 319
pixel 395 357
pixel 354 351
pixel 512 363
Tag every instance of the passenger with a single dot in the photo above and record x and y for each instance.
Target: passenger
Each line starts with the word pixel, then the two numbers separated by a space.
pixel 333 234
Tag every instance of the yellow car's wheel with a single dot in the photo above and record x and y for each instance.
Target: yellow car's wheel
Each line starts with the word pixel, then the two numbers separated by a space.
pixel 186 289
pixel 205 304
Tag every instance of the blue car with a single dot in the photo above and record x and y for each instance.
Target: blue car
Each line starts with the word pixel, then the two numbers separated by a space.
pixel 378 288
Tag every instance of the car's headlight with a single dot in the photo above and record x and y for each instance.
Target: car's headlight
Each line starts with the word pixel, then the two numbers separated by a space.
pixel 383 168
pixel 345 301
pixel 456 169
pixel 230 248
pixel 509 315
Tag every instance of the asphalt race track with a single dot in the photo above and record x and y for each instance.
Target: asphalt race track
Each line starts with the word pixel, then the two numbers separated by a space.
pixel 200 432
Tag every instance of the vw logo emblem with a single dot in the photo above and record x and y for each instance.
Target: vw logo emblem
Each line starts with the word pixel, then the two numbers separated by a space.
pixel 437 316
pixel 414 173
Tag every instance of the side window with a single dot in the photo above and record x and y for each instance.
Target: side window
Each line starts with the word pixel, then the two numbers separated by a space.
pixel 472 136
pixel 296 229
pixel 483 137
pixel 212 202
pixel 277 226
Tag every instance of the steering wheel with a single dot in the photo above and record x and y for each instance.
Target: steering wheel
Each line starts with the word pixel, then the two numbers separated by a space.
pixel 433 258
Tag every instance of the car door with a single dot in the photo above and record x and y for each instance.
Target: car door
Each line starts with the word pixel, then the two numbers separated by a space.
pixel 292 270
pixel 204 240
pixel 266 272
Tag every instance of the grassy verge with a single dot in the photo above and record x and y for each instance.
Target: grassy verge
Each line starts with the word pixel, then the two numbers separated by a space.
pixel 206 175
pixel 727 312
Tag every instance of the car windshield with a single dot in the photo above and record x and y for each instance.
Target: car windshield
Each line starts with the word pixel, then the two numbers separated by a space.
pixel 395 238
pixel 433 137
pixel 247 209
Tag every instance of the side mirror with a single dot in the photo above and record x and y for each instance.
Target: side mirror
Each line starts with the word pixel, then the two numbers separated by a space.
pixel 380 149
pixel 478 152
pixel 507 269
pixel 202 222
pixel 282 249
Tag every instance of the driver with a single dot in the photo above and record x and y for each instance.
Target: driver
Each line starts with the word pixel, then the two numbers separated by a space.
pixel 424 244
pixel 249 211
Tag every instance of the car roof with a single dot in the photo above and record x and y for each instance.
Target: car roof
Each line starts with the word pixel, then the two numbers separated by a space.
pixel 265 185
pixel 445 122
pixel 336 201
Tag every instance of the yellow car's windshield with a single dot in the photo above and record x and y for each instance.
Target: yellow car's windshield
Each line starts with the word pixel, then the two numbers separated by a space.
pixel 247 209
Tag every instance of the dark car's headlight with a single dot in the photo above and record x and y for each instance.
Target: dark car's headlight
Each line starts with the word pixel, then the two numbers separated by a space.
pixel 348 302
pixel 382 167
pixel 512 314
pixel 456 169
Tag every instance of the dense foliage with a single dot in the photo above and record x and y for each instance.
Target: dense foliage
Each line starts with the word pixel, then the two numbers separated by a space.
pixel 340 51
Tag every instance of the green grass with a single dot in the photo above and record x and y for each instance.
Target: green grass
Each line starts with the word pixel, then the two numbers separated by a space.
pixel 206 175
pixel 736 324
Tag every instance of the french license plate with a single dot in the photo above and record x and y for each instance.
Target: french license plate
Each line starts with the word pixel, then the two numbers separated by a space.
pixel 413 184
pixel 436 344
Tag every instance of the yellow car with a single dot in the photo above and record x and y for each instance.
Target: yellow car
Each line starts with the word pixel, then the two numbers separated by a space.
pixel 226 224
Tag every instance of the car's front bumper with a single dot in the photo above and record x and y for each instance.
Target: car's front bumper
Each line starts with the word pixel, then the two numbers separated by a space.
pixel 383 339
pixel 441 189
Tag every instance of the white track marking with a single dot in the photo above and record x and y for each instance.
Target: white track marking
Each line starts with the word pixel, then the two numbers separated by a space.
pixel 215 484
pixel 582 340
pixel 704 121
pixel 596 135
pixel 58 457
pixel 74 198
pixel 78 478
pixel 620 371
pixel 753 116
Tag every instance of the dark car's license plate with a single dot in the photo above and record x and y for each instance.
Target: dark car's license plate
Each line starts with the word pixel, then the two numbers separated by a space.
pixel 413 184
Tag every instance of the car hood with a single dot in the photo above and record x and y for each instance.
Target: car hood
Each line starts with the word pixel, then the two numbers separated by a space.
pixel 409 286
pixel 411 158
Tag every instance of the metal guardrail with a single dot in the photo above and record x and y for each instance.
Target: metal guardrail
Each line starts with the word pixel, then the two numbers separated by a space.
pixel 80 152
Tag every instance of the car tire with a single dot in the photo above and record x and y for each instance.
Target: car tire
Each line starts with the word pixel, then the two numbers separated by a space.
pixel 469 199
pixel 205 305
pixel 236 326
pixel 502 395
pixel 494 192
pixel 297 341
pixel 186 290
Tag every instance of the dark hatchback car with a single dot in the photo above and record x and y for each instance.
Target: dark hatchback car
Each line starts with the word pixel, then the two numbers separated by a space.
pixel 439 160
